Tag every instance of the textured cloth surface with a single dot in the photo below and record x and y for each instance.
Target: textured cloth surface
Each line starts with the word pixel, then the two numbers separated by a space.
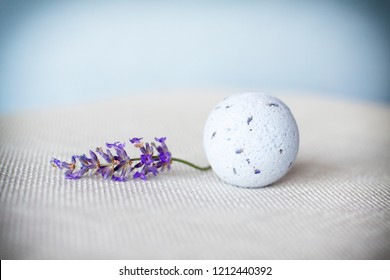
pixel 333 204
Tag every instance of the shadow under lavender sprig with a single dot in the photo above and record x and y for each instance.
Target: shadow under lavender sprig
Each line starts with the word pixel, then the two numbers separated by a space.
pixel 120 167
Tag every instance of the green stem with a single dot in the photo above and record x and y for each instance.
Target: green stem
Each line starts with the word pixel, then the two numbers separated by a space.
pixel 191 164
pixel 184 162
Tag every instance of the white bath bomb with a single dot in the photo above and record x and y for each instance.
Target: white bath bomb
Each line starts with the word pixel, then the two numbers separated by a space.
pixel 251 139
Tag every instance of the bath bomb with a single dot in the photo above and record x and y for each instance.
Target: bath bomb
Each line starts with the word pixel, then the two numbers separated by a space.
pixel 251 139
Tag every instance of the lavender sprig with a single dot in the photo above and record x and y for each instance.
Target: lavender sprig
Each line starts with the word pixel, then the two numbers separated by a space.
pixel 120 167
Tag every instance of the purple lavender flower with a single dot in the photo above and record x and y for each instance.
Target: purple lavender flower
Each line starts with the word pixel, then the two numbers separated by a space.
pixel 147 154
pixel 121 171
pixel 70 167
pixel 125 163
pixel 119 167
pixel 56 163
pixel 108 157
pixel 164 156
pixel 161 139
pixel 94 161
pixel 139 175
pixel 146 162
pixel 116 145
pixel 135 140
pixel 84 160
pixel 106 169
pixel 145 170
pixel 85 165
pixel 120 151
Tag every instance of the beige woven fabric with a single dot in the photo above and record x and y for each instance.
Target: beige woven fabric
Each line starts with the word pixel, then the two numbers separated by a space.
pixel 334 203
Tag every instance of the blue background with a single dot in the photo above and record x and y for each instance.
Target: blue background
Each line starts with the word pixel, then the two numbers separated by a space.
pixel 61 52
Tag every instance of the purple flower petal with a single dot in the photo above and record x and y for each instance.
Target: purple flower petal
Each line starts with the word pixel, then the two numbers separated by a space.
pixel 161 140
pixel 84 160
pixel 66 165
pixel 147 159
pixel 139 175
pixel 147 149
pixel 56 162
pixel 107 156
pixel 94 160
pixel 110 156
pixel 143 150
pixel 70 175
pixel 116 145
pixel 93 156
pixel 119 179
pixel 105 171
pixel 153 170
pixel 82 171
pixel 165 157
pixel 119 148
pixel 135 140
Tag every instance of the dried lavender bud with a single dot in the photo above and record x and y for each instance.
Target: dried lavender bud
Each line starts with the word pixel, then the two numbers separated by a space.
pixel 120 167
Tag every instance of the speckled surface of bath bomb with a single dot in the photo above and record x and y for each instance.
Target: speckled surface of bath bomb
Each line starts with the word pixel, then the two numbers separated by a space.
pixel 251 139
